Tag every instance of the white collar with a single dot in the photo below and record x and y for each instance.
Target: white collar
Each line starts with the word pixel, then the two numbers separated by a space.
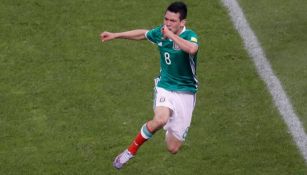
pixel 183 30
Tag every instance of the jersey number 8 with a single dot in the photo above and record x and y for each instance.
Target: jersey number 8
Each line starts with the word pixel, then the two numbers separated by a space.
pixel 167 58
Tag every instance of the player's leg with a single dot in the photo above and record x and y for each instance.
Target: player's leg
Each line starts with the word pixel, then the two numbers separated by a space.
pixel 162 114
pixel 160 118
pixel 179 123
pixel 144 134
pixel 173 144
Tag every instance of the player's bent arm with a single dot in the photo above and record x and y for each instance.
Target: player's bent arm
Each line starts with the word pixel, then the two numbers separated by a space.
pixel 185 45
pixel 138 34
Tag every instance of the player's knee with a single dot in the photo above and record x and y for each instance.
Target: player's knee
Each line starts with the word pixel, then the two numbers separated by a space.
pixel 160 120
pixel 172 149
pixel 162 115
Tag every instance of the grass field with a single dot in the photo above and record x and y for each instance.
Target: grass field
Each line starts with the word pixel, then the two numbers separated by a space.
pixel 282 34
pixel 69 104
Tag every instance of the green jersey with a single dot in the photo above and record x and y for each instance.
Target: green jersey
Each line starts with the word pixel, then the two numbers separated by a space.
pixel 178 68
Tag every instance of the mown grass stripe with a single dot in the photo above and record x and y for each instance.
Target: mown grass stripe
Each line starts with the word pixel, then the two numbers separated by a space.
pixel 265 71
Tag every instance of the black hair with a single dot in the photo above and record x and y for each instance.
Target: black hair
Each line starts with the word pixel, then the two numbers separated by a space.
pixel 178 7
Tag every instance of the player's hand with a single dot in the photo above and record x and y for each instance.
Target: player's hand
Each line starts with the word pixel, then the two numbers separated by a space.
pixel 166 32
pixel 107 36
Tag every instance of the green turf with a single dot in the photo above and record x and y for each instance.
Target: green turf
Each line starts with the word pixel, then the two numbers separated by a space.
pixel 69 104
pixel 281 28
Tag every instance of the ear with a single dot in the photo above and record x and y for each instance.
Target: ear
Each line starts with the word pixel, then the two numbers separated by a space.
pixel 183 22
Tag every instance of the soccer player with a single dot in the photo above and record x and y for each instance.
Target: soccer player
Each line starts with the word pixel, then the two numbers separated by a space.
pixel 176 86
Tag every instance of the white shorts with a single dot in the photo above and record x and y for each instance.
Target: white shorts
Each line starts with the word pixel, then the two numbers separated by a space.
pixel 182 106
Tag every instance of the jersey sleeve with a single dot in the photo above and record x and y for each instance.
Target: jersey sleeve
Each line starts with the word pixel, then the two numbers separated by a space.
pixel 154 35
pixel 192 37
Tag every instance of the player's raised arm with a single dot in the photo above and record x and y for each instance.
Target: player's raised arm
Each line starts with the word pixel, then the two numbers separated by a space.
pixel 138 34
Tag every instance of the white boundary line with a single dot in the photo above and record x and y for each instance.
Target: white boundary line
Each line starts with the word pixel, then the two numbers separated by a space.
pixel 265 71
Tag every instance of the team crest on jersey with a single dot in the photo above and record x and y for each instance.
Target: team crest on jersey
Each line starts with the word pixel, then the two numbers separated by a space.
pixel 175 46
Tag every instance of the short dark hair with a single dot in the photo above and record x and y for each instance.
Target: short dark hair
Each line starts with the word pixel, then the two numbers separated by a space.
pixel 178 7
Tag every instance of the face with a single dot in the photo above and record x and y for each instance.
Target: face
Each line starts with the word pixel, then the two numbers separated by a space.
pixel 172 22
